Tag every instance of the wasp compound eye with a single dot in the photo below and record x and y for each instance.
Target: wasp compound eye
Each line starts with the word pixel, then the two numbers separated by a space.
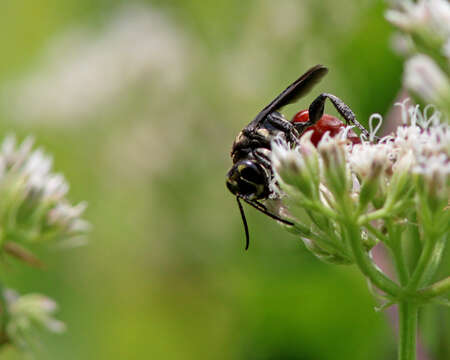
pixel 247 178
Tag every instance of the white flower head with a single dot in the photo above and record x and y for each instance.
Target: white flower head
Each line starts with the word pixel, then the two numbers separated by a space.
pixel 404 163
pixel 369 160
pixel 425 78
pixel 34 198
pixel 425 26
pixel 435 173
pixel 433 15
pixel 402 44
pixel 374 167
pixel 298 167
pixel 28 313
pixel 365 181
pixel 409 15
pixel 334 155
pixel 67 218
pixel 332 150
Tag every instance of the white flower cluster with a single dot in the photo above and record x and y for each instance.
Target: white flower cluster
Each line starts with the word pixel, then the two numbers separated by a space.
pixel 421 146
pixel 34 207
pixel 424 77
pixel 86 72
pixel 433 15
pixel 407 170
pixel 414 147
pixel 425 39
pixel 27 313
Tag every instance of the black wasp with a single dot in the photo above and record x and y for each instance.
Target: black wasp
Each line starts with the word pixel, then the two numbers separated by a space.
pixel 251 174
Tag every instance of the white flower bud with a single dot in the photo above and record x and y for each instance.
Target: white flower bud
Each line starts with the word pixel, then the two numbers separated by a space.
pixel 297 167
pixel 333 153
pixel 434 172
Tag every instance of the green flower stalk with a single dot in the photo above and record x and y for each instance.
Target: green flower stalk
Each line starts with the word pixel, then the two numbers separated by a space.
pixel 344 198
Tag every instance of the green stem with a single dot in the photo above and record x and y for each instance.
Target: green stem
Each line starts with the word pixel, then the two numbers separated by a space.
pixel 374 215
pixel 377 233
pixel 387 211
pixel 437 289
pixel 318 207
pixel 426 260
pixel 366 265
pixel 408 312
pixel 4 317
pixel 322 240
pixel 395 244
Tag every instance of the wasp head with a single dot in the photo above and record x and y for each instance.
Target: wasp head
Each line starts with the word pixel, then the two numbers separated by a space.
pixel 249 179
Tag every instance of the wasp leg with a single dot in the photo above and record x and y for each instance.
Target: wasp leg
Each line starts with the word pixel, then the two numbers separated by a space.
pixel 262 158
pixel 260 207
pixel 279 122
pixel 317 107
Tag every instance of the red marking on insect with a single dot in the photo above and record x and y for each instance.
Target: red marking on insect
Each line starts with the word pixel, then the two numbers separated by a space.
pixel 326 123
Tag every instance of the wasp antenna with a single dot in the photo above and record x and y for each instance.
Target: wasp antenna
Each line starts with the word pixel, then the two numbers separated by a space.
pixel 244 221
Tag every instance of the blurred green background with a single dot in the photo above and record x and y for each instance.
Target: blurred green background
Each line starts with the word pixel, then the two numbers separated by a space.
pixel 139 103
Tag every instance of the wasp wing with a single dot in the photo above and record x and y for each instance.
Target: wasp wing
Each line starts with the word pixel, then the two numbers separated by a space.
pixel 293 92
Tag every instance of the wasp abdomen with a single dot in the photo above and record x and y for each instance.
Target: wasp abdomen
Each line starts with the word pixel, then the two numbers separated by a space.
pixel 327 123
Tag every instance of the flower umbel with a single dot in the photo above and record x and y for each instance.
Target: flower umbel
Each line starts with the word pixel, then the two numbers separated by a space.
pixel 34 206
pixel 423 37
pixel 372 192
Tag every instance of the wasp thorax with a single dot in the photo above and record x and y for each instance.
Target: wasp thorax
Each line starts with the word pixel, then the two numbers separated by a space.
pixel 249 179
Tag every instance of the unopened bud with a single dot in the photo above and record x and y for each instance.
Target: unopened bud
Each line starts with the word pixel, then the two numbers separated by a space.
pixel 336 172
pixel 297 167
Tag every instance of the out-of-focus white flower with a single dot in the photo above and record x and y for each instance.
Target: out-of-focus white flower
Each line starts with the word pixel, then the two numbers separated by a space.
pixel 150 148
pixel 402 44
pixel 67 218
pixel 435 168
pixel 425 78
pixel 27 313
pixel 33 198
pixel 434 176
pixel 446 49
pixel 435 140
pixel 425 37
pixel 440 16
pixel 86 73
pixel 433 15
